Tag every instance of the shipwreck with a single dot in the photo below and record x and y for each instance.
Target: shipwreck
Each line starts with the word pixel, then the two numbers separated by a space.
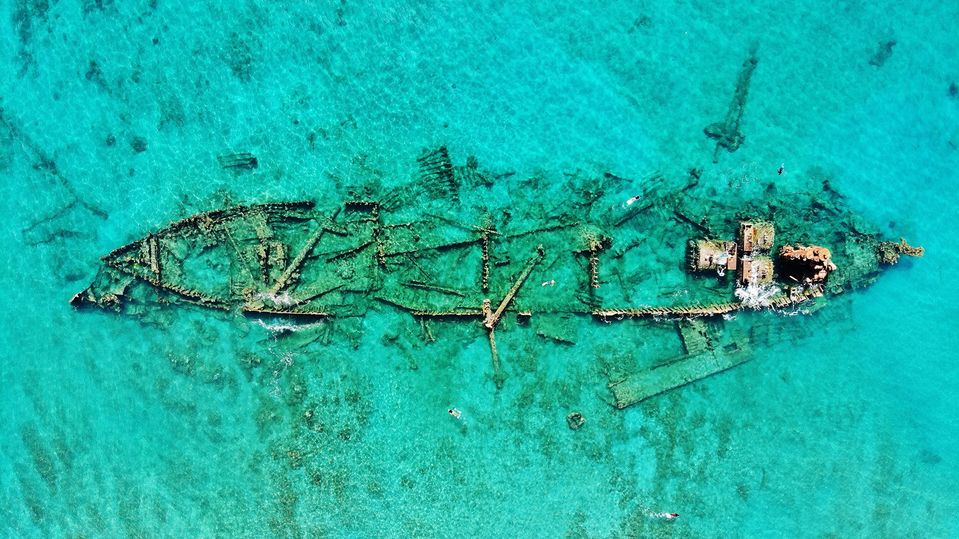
pixel 490 261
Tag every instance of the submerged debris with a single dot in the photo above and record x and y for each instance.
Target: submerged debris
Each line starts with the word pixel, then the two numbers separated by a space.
pixel 727 132
pixel 805 265
pixel 238 161
pixel 758 295
pixel 889 251
pixel 436 172
pixel 756 236
pixel 711 255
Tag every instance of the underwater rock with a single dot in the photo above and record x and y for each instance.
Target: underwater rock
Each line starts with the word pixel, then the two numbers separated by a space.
pixel 882 53
pixel 238 55
pixel 94 74
pixel 138 144
pixel 575 420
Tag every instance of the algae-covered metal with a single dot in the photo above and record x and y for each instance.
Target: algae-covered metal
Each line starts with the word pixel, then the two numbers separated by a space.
pixel 479 263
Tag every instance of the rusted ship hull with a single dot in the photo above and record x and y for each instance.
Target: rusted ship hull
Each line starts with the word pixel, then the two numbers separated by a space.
pixel 297 259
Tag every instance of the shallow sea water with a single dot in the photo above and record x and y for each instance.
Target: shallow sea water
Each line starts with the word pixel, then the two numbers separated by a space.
pixel 189 422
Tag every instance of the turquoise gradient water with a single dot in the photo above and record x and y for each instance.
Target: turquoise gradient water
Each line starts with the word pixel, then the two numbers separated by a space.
pixel 189 423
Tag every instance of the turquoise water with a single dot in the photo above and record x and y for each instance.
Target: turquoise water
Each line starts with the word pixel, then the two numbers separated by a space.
pixel 189 423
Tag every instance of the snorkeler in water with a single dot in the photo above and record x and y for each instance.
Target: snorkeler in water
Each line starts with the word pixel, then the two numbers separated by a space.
pixel 634 199
pixel 455 412
pixel 665 516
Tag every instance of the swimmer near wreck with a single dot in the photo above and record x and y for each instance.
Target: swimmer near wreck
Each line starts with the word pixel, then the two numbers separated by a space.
pixel 439 251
